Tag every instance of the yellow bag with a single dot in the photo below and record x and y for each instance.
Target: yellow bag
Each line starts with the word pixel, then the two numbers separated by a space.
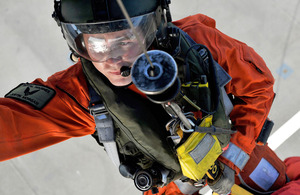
pixel 199 152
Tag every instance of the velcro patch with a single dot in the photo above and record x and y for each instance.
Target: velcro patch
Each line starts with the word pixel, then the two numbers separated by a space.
pixel 36 95
pixel 264 175
pixel 236 155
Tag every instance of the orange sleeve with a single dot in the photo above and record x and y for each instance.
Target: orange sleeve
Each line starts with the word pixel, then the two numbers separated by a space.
pixel 251 84
pixel 170 189
pixel 24 129
pixel 293 172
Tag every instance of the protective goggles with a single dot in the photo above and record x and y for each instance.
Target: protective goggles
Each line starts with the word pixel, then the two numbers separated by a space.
pixel 101 41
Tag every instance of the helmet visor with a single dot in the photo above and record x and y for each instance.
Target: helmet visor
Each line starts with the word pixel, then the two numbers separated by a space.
pixel 101 41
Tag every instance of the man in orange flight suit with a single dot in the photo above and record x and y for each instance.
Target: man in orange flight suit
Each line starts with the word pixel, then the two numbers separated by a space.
pixel 63 112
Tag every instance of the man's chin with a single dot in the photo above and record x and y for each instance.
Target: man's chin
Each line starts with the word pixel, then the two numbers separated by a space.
pixel 124 81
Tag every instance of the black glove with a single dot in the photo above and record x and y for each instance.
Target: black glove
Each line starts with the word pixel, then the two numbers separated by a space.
pixel 224 181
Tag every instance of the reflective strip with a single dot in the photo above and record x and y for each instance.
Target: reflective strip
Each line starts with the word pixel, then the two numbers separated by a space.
pixel 202 149
pixel 236 155
pixel 264 175
pixel 195 84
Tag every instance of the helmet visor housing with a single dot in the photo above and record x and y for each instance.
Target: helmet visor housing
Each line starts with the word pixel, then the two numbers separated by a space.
pixel 101 41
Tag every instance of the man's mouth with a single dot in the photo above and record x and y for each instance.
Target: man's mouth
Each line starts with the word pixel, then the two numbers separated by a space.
pixel 121 65
pixel 115 72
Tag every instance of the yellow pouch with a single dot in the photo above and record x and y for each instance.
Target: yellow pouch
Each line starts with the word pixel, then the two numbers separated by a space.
pixel 199 152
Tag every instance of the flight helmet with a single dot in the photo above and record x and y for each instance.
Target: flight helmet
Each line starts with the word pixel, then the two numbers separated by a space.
pixel 97 29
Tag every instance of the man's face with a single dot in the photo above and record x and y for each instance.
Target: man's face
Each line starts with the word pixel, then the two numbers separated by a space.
pixel 111 51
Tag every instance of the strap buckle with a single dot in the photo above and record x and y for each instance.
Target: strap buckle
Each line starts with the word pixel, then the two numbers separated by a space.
pixel 98 109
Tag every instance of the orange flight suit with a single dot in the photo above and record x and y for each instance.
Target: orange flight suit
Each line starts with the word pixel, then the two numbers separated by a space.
pixel 24 129
pixel 293 172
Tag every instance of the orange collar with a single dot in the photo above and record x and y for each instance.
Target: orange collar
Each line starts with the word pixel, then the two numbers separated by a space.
pixel 133 88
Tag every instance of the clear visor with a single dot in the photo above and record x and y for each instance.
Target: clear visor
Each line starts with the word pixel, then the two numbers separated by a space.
pixel 99 42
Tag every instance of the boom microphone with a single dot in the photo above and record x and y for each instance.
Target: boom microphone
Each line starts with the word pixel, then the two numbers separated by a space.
pixel 125 71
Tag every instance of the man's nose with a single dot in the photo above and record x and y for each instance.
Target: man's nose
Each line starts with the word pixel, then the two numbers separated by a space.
pixel 114 60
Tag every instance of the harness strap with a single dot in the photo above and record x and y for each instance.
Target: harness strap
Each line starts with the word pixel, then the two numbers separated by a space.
pixel 214 130
pixel 236 155
pixel 255 191
pixel 104 126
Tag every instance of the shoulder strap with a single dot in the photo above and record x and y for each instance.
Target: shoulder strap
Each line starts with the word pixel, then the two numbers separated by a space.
pixel 104 126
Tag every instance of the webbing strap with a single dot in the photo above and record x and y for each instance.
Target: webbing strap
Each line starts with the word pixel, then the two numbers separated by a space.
pixel 236 155
pixel 252 189
pixel 104 126
pixel 214 130
pixel 112 152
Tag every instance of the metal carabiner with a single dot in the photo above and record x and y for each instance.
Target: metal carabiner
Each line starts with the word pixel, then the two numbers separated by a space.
pixel 183 128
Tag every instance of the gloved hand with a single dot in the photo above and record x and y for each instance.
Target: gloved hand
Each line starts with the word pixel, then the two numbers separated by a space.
pixel 224 181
